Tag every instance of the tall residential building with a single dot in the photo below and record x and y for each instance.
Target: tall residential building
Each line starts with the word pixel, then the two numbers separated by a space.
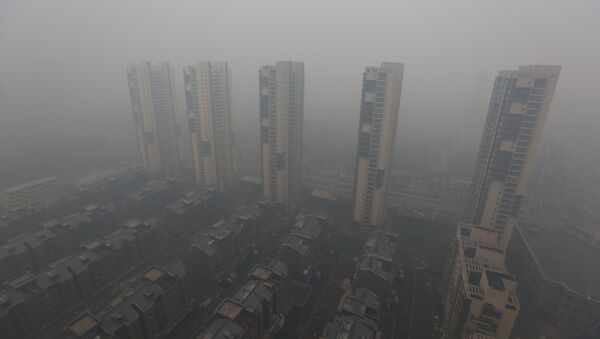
pixel 208 98
pixel 380 103
pixel 480 299
pixel 518 109
pixel 281 119
pixel 480 296
pixel 43 192
pixel 153 104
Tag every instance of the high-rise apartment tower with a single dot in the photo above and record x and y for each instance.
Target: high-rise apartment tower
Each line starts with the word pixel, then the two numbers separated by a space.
pixel 281 118
pixel 480 299
pixel 518 109
pixel 380 103
pixel 208 99
pixel 153 104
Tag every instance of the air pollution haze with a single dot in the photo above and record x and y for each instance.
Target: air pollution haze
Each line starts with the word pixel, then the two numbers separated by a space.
pixel 64 99
pixel 274 169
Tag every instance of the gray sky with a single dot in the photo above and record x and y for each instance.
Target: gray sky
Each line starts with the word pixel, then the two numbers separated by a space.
pixel 62 63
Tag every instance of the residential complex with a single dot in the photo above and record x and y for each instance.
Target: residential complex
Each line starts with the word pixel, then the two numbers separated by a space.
pixel 380 103
pixel 150 308
pixel 43 192
pixel 153 105
pixel 110 262
pixel 518 110
pixel 208 99
pixel 281 118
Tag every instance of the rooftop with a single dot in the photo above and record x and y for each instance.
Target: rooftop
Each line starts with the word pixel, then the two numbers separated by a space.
pixel 190 200
pixel 83 325
pixel 297 243
pixel 249 297
pixel 261 272
pixel 567 259
pixel 120 309
pixel 222 329
pixel 275 269
pixel 373 264
pixel 496 280
pixel 380 246
pixel 229 309
pixel 21 280
pixel 61 270
pixel 482 265
pixel 348 327
pixel 209 242
pixel 154 274
pixel 360 302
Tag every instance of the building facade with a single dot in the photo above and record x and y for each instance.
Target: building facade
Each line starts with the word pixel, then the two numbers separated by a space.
pixel 480 296
pixel 43 192
pixel 153 105
pixel 281 118
pixel 517 113
pixel 380 103
pixel 208 100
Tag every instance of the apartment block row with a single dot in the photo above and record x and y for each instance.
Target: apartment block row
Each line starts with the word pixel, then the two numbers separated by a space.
pixel 59 200
pixel 377 267
pixel 52 239
pixel 103 188
pixel 253 307
pixel 357 317
pixel 30 300
pixel 195 209
pixel 214 250
pixel 43 192
pixel 256 309
pixel 302 248
pixel 155 303
pixel 101 192
pixel 151 197
pixel 55 239
pixel 259 307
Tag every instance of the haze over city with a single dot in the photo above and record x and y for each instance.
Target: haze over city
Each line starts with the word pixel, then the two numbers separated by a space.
pixel 181 121
pixel 62 64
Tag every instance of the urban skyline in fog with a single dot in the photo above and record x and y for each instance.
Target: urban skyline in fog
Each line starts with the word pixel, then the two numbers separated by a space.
pixel 451 60
pixel 299 170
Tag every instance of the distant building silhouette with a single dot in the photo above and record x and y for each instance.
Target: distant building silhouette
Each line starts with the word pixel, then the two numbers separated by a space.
pixel 380 103
pixel 281 118
pixel 43 192
pixel 153 105
pixel 518 109
pixel 208 99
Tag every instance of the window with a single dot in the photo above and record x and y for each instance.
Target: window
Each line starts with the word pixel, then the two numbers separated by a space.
pixel 541 83
pixel 280 161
